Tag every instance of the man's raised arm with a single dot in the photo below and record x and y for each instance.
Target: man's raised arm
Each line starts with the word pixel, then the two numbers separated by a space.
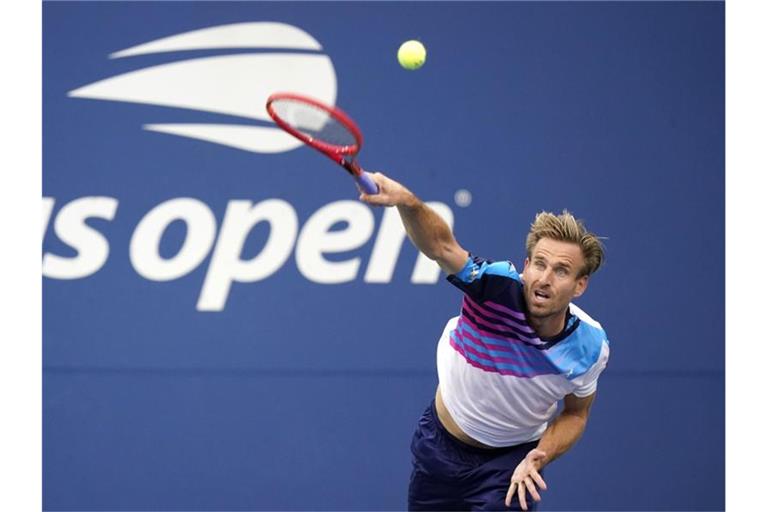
pixel 426 229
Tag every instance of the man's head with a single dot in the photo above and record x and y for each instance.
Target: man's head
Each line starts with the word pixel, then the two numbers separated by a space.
pixel 561 255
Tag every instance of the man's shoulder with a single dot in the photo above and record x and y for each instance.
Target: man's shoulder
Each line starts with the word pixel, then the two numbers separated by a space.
pixel 586 320
pixel 485 280
pixel 586 346
pixel 590 332
pixel 477 266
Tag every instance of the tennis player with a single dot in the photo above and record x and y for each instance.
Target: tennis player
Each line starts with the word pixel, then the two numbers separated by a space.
pixel 517 349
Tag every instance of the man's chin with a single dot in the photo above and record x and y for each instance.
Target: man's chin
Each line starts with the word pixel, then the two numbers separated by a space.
pixel 542 311
pixel 539 313
pixel 537 310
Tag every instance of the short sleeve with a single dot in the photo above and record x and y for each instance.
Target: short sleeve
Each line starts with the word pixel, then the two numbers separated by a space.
pixel 483 279
pixel 587 383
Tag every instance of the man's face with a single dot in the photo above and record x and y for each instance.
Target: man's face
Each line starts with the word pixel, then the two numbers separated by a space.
pixel 551 277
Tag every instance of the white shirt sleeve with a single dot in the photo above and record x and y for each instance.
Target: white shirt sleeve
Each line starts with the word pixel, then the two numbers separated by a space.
pixel 587 383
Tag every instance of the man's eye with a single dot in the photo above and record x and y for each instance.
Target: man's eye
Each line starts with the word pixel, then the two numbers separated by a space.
pixel 561 272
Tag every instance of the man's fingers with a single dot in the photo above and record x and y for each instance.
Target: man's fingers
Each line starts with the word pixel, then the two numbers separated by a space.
pixel 510 493
pixel 539 481
pixel 521 496
pixel 532 489
pixel 374 199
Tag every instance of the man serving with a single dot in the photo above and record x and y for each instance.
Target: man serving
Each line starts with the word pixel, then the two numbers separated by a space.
pixel 517 349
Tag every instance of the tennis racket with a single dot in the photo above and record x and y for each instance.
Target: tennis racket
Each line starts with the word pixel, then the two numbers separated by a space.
pixel 325 128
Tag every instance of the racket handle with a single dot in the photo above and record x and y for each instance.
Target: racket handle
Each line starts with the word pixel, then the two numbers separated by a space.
pixel 366 183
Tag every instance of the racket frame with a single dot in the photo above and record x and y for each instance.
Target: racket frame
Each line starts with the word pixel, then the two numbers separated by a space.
pixel 336 152
pixel 342 155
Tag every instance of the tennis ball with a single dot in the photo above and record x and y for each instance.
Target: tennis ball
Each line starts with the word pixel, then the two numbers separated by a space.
pixel 412 54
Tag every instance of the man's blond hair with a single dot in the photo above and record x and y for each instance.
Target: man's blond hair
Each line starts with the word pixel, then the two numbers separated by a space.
pixel 566 228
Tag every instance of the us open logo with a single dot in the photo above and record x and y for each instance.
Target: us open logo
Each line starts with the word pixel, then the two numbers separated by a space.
pixel 233 84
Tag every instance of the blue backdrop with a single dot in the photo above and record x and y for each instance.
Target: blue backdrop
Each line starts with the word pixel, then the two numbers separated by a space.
pixel 224 327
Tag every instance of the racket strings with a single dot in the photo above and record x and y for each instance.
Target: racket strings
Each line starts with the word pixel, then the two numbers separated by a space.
pixel 314 122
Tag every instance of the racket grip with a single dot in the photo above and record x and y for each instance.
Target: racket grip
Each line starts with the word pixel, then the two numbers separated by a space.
pixel 366 183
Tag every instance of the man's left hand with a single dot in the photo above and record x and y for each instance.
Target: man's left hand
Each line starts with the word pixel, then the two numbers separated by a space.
pixel 526 476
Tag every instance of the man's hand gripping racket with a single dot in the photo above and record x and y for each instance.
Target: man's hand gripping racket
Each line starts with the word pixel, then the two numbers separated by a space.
pixel 325 128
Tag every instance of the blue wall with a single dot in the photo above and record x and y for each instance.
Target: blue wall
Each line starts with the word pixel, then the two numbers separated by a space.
pixel 297 394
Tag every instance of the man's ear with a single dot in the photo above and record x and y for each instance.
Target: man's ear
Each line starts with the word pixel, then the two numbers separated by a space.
pixel 581 286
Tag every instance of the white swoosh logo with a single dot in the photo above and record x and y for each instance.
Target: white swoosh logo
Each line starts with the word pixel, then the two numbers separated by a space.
pixel 227 84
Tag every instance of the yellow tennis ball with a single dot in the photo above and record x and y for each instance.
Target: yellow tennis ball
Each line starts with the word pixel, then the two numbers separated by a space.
pixel 412 54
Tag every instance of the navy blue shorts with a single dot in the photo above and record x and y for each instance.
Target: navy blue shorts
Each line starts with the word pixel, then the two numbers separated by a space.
pixel 451 475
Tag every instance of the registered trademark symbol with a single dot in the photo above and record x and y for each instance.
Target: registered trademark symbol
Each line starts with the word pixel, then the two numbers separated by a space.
pixel 463 197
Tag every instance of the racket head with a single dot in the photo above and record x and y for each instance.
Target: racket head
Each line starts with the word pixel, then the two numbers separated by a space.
pixel 323 127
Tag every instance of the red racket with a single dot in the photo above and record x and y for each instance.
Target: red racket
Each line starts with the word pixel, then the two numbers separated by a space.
pixel 325 128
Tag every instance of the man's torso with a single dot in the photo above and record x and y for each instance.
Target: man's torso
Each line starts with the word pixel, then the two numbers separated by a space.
pixel 500 382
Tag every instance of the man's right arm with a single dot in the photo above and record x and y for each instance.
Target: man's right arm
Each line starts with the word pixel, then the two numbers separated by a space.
pixel 426 229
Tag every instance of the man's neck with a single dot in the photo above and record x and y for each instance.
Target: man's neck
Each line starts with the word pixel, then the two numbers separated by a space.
pixel 550 326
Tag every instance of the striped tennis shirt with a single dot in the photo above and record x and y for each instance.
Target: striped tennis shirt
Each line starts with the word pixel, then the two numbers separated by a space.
pixel 500 381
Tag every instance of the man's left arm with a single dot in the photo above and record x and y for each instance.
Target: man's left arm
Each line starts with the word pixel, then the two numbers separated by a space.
pixel 559 437
pixel 567 428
